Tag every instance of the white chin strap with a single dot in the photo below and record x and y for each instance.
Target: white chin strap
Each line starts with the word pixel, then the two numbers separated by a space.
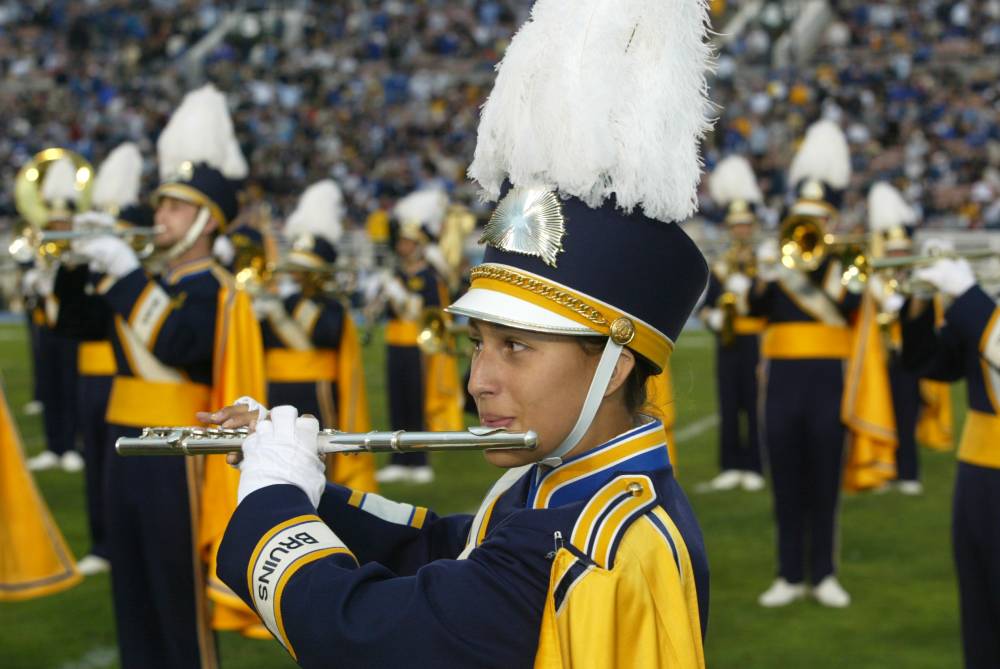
pixel 190 237
pixel 599 385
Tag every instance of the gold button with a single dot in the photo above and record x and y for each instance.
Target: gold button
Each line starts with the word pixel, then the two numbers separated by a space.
pixel 622 331
pixel 635 489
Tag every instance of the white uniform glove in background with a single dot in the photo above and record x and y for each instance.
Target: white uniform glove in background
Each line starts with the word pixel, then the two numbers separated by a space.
pixel 283 450
pixel 714 319
pixel 950 276
pixel 107 254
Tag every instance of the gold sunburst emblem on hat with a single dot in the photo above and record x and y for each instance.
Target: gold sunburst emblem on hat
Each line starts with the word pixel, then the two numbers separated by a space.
pixel 528 221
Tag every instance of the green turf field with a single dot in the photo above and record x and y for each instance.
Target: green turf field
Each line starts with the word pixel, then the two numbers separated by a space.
pixel 895 556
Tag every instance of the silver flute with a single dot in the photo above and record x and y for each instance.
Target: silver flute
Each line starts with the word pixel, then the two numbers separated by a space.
pixel 217 440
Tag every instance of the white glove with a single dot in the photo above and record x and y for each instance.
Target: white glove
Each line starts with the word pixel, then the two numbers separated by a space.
pixel 108 254
pixel 738 284
pixel 893 303
pixel 768 257
pixel 396 292
pixel 93 219
pixel 38 281
pixel 950 276
pixel 223 250
pixel 266 306
pixel 282 451
pixel 253 405
pixel 714 320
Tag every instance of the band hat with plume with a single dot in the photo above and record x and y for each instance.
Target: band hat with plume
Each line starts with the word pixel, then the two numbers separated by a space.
pixel 316 225
pixel 887 209
pixel 59 189
pixel 733 187
pixel 820 170
pixel 199 157
pixel 118 179
pixel 420 214
pixel 591 135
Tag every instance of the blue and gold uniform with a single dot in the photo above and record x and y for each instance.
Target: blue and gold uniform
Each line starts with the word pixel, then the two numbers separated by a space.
pixel 528 581
pixel 803 353
pixel 966 347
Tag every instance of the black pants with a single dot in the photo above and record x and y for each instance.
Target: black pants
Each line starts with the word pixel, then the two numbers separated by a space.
pixel 906 406
pixel 92 402
pixel 976 541
pixel 157 583
pixel 805 444
pixel 406 397
pixel 57 378
pixel 736 383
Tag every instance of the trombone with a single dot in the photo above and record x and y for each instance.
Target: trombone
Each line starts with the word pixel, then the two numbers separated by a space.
pixel 215 441
pixel 805 243
pixel 438 332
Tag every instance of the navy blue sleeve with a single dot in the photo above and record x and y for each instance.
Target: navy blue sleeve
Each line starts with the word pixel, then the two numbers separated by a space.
pixel 329 325
pixel 432 290
pixel 934 354
pixel 761 297
pixel 484 611
pixel 81 315
pixel 400 536
pixel 180 325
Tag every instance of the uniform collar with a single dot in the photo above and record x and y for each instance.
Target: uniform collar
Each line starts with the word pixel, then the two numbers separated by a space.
pixel 174 275
pixel 642 449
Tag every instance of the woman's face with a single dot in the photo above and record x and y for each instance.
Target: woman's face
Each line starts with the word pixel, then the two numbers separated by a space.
pixel 523 381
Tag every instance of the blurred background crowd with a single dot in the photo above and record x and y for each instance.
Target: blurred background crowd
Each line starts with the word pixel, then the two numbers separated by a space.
pixel 383 95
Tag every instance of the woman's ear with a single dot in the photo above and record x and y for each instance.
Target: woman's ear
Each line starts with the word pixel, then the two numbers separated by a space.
pixel 623 367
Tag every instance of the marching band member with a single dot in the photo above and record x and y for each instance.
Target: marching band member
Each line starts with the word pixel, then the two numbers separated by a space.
pixel 55 353
pixel 424 391
pixel 313 353
pixel 891 220
pixel 182 340
pixel 967 346
pixel 803 349
pixel 585 553
pixel 733 187
pixel 115 201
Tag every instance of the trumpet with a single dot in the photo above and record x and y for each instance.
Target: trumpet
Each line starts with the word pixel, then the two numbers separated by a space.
pixel 50 245
pixel 897 262
pixel 805 243
pixel 437 332
pixel 215 440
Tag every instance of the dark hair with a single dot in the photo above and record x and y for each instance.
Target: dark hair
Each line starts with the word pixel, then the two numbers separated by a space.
pixel 635 384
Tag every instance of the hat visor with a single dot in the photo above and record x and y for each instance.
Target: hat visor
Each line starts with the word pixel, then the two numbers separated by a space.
pixel 502 309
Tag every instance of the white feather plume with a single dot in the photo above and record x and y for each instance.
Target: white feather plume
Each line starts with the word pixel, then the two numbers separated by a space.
pixel 199 131
pixel 733 179
pixel 823 155
pixel 59 182
pixel 426 207
pixel 235 166
pixel 118 178
pixel 320 212
pixel 602 97
pixel 887 209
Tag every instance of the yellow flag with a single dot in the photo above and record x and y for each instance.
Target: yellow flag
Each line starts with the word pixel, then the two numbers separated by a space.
pixel 935 427
pixel 354 471
pixel 866 407
pixel 443 397
pixel 238 369
pixel 34 557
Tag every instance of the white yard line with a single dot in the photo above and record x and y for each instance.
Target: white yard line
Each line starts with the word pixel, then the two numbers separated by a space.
pixel 98 657
pixel 696 429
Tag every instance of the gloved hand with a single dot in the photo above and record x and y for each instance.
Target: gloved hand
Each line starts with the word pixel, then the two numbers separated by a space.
pixel 223 250
pixel 738 284
pixel 89 220
pixel 266 306
pixel 38 281
pixel 396 291
pixel 950 276
pixel 107 254
pixel 283 450
pixel 253 405
pixel 714 320
pixel 768 259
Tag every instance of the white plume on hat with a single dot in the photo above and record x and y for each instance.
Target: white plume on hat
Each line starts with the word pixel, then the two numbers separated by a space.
pixel 235 165
pixel 319 212
pixel 823 155
pixel 200 131
pixel 595 98
pixel 119 178
pixel 426 207
pixel 733 179
pixel 887 209
pixel 59 182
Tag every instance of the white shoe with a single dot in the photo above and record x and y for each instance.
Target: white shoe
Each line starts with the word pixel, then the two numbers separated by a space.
pixel 910 487
pixel 42 461
pixel 392 474
pixel 727 480
pixel 93 564
pixel 72 461
pixel 33 408
pixel 781 593
pixel 421 475
pixel 752 482
pixel 830 593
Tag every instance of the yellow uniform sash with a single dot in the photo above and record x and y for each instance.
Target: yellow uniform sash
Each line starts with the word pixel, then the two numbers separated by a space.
pixel 96 358
pixel 980 443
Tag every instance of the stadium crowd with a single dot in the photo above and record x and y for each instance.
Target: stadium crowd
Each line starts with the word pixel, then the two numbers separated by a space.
pixel 384 96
